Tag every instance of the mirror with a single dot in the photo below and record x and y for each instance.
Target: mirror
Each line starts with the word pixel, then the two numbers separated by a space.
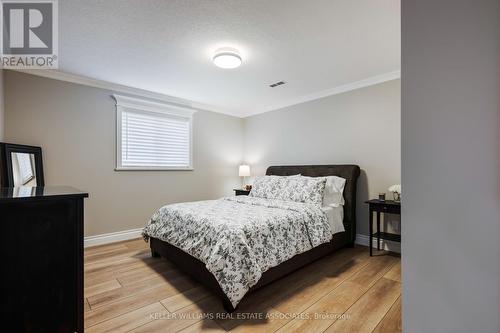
pixel 23 169
pixel 21 165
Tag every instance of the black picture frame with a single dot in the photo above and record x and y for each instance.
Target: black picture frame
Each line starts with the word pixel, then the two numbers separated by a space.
pixel 6 150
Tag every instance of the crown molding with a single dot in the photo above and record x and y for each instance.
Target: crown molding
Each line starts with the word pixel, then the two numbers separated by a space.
pixel 330 92
pixel 115 87
pixel 119 88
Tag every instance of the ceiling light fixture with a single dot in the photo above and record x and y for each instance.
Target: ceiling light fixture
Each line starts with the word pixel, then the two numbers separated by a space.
pixel 227 58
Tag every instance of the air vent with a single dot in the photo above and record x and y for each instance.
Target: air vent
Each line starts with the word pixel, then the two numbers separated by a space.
pixel 277 84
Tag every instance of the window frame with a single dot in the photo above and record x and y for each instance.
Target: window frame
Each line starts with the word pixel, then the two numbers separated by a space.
pixel 139 105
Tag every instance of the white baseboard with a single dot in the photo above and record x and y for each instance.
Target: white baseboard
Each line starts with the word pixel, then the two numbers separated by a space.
pixel 112 237
pixel 118 236
pixel 384 244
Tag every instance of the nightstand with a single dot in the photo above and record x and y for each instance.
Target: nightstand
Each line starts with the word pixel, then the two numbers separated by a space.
pixel 238 191
pixel 385 207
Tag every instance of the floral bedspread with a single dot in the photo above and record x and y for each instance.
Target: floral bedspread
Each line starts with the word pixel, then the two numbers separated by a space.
pixel 239 238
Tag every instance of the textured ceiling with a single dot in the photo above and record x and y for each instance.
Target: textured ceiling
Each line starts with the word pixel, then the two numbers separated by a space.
pixel 166 47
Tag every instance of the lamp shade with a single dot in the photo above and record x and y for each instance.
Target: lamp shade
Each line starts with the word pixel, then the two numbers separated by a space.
pixel 244 171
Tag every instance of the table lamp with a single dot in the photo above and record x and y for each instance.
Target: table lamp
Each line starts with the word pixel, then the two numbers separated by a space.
pixel 244 172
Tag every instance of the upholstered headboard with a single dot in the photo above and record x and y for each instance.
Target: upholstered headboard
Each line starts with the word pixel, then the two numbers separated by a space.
pixel 349 172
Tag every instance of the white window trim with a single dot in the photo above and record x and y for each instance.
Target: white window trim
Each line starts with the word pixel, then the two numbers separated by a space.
pixel 125 102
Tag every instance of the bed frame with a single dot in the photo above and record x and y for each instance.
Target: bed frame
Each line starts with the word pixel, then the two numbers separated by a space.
pixel 196 269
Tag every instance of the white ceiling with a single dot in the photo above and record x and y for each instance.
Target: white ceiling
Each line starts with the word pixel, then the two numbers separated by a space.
pixel 166 47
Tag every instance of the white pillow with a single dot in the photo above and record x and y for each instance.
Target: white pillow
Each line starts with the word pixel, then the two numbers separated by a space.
pixel 334 191
pixel 333 195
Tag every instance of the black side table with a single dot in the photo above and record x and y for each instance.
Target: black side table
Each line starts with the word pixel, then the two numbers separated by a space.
pixel 387 206
pixel 238 191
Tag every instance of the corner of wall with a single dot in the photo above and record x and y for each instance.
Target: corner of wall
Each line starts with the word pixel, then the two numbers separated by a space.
pixel 244 140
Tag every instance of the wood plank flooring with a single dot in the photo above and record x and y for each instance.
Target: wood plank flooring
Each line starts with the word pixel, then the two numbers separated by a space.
pixel 126 290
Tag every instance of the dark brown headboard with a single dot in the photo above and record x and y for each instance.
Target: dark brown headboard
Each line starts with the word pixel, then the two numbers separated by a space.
pixel 347 171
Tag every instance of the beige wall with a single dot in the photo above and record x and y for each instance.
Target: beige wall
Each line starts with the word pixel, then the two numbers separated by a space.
pixel 75 125
pixel 360 127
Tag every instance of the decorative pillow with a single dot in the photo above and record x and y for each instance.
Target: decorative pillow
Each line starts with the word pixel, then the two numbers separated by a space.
pixel 299 189
pixel 266 187
pixel 303 189
pixel 333 195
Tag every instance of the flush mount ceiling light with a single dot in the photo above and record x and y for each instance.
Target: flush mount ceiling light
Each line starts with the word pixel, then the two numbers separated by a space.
pixel 227 58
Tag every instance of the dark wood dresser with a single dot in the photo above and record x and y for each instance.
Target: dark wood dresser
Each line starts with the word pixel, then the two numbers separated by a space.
pixel 42 259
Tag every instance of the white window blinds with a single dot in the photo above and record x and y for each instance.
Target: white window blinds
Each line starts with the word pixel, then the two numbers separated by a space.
pixel 153 140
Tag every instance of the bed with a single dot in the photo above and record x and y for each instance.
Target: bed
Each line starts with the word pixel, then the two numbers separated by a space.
pixel 301 231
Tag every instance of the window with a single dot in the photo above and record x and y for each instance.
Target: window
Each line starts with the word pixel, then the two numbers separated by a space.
pixel 152 135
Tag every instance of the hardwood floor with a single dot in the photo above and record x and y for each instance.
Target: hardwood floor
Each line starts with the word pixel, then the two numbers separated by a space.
pixel 126 290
